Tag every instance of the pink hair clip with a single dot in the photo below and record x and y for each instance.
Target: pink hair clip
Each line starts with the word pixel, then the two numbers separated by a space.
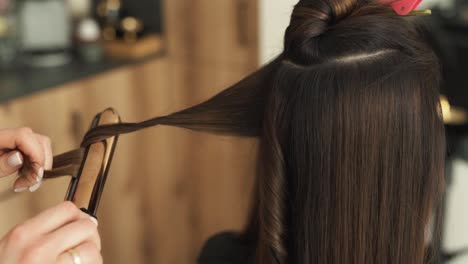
pixel 407 7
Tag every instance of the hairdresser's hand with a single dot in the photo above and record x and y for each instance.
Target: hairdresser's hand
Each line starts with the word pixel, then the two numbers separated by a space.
pixel 17 144
pixel 49 237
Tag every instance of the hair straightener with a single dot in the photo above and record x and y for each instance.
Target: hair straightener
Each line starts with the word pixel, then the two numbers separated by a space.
pixel 86 187
pixel 88 166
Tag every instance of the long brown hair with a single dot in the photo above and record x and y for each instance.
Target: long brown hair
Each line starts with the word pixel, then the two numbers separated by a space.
pixel 352 141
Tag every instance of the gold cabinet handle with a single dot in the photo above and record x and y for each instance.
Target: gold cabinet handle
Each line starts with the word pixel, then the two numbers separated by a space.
pixel 242 15
pixel 76 126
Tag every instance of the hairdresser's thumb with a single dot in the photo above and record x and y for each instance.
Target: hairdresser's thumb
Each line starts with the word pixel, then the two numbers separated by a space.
pixel 10 162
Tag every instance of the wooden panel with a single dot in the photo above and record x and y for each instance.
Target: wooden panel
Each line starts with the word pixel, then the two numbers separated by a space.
pixel 176 28
pixel 222 32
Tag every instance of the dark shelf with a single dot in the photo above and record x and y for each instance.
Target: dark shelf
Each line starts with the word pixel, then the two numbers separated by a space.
pixel 22 81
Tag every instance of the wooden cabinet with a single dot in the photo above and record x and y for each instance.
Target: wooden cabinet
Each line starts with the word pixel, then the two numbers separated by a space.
pixel 215 44
pixel 64 114
pixel 219 33
pixel 169 189
pixel 224 32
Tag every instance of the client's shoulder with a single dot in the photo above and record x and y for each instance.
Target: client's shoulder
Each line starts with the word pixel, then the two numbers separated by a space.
pixel 225 248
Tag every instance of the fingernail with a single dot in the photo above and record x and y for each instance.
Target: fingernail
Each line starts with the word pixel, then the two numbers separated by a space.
pixel 34 187
pixel 15 159
pixel 94 220
pixel 20 189
pixel 40 175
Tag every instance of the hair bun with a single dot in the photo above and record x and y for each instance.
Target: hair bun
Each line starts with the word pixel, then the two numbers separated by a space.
pixel 310 19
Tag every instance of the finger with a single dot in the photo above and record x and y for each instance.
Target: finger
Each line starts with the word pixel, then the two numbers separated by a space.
pixel 30 177
pixel 53 218
pixel 32 169
pixel 47 147
pixel 10 162
pixel 72 235
pixel 25 183
pixel 87 252
pixel 24 140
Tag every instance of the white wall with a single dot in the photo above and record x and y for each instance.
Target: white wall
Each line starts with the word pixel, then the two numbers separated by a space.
pixel 441 3
pixel 274 18
pixel 456 226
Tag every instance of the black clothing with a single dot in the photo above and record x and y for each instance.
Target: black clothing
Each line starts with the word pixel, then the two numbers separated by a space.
pixel 225 248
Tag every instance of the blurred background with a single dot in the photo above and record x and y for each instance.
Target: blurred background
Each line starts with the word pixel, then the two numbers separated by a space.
pixel 63 61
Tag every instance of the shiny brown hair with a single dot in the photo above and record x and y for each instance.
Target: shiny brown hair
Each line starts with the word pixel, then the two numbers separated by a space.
pixel 351 138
